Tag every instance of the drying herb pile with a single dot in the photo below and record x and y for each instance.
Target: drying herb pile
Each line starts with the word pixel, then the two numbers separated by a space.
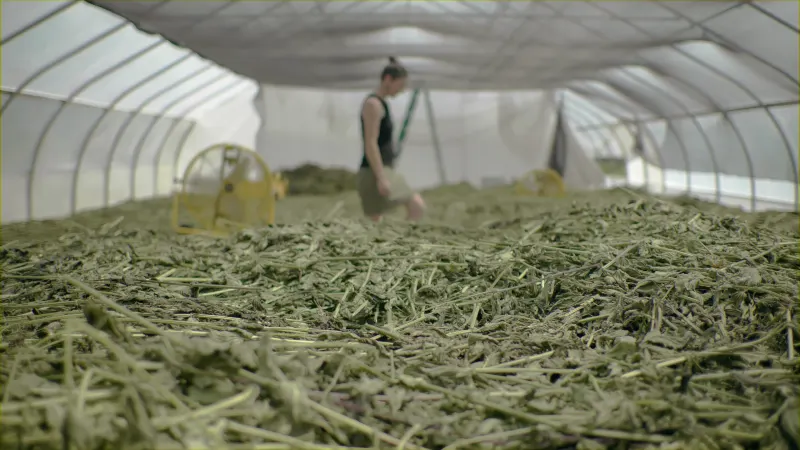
pixel 628 324
pixel 309 179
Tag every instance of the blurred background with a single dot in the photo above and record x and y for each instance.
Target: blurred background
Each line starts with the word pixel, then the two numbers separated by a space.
pixel 107 102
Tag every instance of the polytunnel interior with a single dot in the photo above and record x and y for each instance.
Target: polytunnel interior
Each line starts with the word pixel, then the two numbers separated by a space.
pixel 652 305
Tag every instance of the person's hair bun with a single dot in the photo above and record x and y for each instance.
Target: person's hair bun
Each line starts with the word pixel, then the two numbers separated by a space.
pixel 394 70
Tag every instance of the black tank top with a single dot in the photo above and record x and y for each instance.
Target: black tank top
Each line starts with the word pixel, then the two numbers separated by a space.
pixel 385 142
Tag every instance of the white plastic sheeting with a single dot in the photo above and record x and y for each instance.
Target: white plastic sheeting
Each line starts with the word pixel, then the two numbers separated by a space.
pixel 481 135
pixel 96 112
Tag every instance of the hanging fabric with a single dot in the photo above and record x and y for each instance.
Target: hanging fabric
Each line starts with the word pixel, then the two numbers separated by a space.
pixel 558 152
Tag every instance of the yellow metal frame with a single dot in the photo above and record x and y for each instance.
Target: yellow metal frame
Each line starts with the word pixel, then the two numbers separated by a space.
pixel 198 205
pixel 549 184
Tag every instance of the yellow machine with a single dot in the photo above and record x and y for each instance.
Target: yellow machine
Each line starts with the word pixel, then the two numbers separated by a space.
pixel 541 183
pixel 280 186
pixel 225 188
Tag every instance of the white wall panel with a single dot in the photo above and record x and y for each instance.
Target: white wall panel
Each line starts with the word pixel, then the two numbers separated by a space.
pixel 91 174
pixel 736 191
pixel 55 172
pixel 19 15
pixel 170 70
pixel 63 33
pixel 787 11
pixel 188 89
pixel 700 151
pixel 111 87
pixel 121 159
pixel 62 145
pixel 296 129
pixel 26 117
pixel 165 158
pixel 731 157
pixel 721 90
pixel 768 85
pixel 759 33
pixel 656 94
pixel 209 95
pixel 57 161
pixel 143 169
pixel 671 149
pixel 771 158
pixel 481 134
pixel 68 76
pixel 235 122
pixel 788 121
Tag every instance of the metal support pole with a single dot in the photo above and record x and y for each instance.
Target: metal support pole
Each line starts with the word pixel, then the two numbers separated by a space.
pixel 120 133
pixel 731 79
pixel 157 118
pixel 669 123
pixel 38 22
pixel 200 20
pixel 687 164
pixel 641 127
pixel 72 53
pixel 96 125
pixel 722 40
pixel 143 138
pixel 593 116
pixel 409 113
pixel 37 150
pixel 157 159
pixel 613 134
pixel 759 105
pixel 435 136
pixel 162 115
pixel 591 131
pixel 638 121
pixel 193 107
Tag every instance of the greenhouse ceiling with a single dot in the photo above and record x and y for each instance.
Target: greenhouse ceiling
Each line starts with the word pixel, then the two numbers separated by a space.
pixel 491 45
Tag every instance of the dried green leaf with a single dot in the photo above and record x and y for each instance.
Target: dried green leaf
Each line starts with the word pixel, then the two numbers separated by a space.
pixel 604 319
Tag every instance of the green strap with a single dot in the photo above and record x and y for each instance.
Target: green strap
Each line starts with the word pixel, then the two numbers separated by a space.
pixel 411 105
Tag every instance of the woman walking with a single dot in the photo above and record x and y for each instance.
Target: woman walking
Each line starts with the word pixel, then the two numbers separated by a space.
pixel 381 188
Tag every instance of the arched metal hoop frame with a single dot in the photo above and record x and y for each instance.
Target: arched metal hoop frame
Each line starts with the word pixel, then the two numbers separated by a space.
pixel 698 91
pixel 167 113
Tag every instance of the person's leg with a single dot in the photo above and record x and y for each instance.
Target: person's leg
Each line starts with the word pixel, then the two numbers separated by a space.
pixel 372 203
pixel 403 195
pixel 415 207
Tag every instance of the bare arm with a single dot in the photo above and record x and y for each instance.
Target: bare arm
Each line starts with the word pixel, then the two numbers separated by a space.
pixel 372 114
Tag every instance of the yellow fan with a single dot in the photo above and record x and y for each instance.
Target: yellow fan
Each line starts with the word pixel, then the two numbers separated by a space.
pixel 541 183
pixel 225 188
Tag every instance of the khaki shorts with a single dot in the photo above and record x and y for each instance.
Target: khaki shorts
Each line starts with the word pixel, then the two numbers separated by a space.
pixel 372 202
